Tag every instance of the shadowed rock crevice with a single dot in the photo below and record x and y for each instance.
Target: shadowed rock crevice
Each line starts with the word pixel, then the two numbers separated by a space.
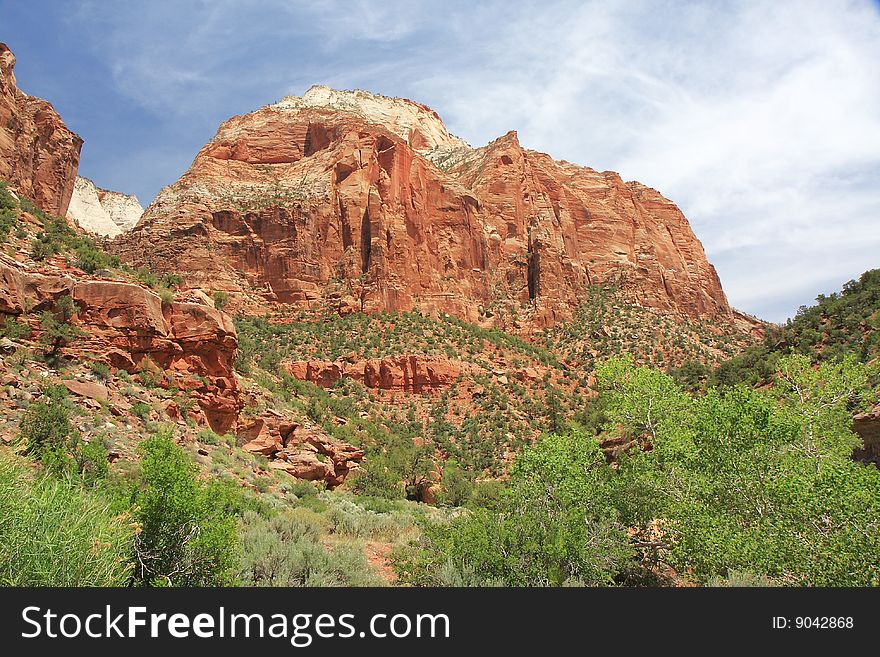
pixel 534 271
pixel 366 242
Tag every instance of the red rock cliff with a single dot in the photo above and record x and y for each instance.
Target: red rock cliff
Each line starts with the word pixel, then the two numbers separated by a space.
pixel 369 203
pixel 39 156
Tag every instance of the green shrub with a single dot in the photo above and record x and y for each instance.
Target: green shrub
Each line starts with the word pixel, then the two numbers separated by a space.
pixel 41 248
pixel 100 370
pixel 90 259
pixel 166 295
pixel 458 484
pixel 46 423
pixel 286 550
pixel 8 211
pixel 209 437
pixel 187 536
pixel 740 579
pixel 141 410
pixel 486 494
pixel 170 281
pixel 350 519
pixel 379 477
pixel 57 327
pixel 555 525
pixel 147 277
pixel 50 437
pixel 303 489
pixel 221 298
pixel 14 329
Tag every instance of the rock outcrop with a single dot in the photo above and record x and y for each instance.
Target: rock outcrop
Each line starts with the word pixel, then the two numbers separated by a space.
pixel 302 450
pixel 39 155
pixel 368 203
pixel 100 211
pixel 411 374
pixel 130 328
pixel 867 426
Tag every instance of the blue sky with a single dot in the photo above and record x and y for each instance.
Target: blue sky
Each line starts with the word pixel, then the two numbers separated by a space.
pixel 760 119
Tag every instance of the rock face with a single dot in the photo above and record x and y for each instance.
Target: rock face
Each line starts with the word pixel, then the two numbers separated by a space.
pixel 368 203
pixel 126 324
pixel 412 374
pixel 101 211
pixel 867 426
pixel 39 156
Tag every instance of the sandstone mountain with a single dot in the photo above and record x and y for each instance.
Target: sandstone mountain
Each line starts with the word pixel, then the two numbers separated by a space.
pixel 368 203
pixel 126 353
pixel 39 155
pixel 101 211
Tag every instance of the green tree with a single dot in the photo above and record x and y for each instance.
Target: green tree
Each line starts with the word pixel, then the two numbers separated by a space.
pixel 822 396
pixel 645 401
pixel 187 537
pixel 57 326
pixel 755 482
pixel 553 525
pixel 555 412
pixel 458 484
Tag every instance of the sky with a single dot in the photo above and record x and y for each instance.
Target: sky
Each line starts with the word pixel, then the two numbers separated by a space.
pixel 761 120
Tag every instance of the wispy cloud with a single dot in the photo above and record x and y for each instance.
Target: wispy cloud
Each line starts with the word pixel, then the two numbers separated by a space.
pixel 760 119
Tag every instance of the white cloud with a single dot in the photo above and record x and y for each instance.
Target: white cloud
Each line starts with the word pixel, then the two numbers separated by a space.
pixel 761 119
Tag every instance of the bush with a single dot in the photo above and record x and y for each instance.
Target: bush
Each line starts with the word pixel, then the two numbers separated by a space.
pixel 46 423
pixel 50 436
pixel 90 259
pixel 350 519
pixel 303 489
pixel 220 299
pixel 487 494
pixel 41 248
pixel 141 410
pixel 399 468
pixel 57 327
pixel 8 211
pixel 14 330
pixel 458 484
pixel 147 277
pixel 100 370
pixel 53 533
pixel 377 476
pixel 187 535
pixel 208 437
pixel 171 281
pixel 166 295
pixel 286 550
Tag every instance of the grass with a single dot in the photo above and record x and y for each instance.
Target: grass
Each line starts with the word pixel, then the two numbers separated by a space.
pixel 53 533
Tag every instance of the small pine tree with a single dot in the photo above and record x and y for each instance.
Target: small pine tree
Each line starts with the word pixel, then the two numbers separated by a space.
pixel 58 329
